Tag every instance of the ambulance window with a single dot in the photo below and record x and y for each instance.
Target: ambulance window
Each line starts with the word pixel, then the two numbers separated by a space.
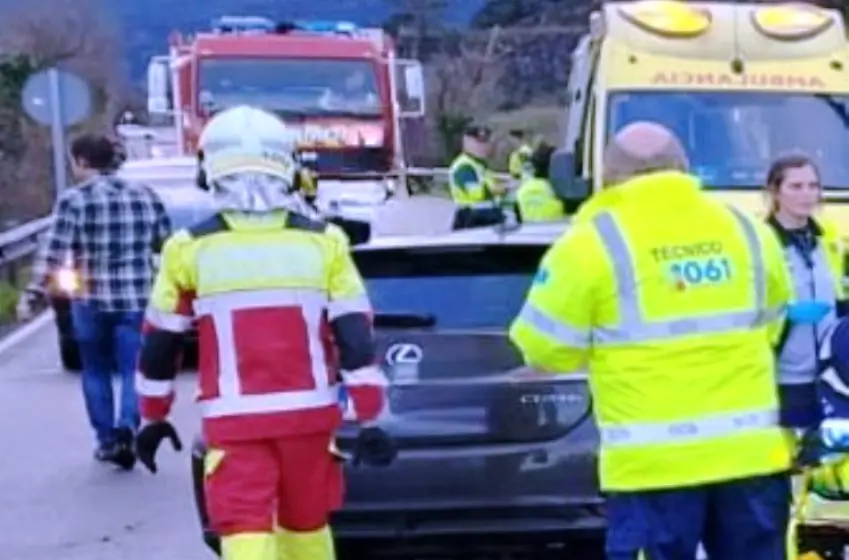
pixel 732 136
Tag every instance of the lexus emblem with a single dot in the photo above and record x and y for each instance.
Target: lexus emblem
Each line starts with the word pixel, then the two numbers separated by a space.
pixel 404 354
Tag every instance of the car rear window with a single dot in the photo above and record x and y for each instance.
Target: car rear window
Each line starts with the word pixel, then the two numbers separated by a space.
pixel 476 287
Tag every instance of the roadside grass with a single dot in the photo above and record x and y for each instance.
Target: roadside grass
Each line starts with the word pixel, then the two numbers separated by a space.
pixel 10 289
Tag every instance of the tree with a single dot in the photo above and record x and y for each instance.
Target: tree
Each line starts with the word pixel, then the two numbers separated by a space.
pixel 71 34
pixel 462 86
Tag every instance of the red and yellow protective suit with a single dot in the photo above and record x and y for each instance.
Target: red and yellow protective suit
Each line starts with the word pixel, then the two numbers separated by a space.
pixel 281 314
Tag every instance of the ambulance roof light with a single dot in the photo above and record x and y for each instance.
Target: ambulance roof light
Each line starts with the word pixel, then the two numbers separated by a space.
pixel 791 21
pixel 669 18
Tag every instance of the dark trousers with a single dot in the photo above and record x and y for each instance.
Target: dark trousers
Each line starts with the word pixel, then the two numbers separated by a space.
pixel 745 519
pixel 109 342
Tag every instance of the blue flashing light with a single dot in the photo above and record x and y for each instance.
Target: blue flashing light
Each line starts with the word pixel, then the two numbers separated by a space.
pixel 243 24
pixel 341 27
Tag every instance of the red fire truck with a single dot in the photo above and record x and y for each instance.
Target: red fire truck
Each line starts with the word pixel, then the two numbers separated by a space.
pixel 342 89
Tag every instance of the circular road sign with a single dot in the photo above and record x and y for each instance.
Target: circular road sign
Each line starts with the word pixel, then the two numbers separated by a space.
pixel 74 94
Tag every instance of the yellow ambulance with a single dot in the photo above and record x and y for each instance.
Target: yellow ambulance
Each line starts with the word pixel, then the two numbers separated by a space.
pixel 738 83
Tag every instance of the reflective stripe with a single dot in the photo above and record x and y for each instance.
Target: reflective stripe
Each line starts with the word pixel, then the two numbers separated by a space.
pixel 489 205
pixel 357 304
pixel 221 307
pixel 708 427
pixel 553 328
pixel 369 375
pixel 153 387
pixel 163 320
pixel 634 327
pixel 273 402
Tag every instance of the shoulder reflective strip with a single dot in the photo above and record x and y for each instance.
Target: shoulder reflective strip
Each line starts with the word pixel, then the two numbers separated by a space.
pixel 152 387
pixel 688 431
pixel 635 328
pixel 553 328
pixel 270 403
pixel 312 304
pixel 344 306
pixel 369 375
pixel 173 322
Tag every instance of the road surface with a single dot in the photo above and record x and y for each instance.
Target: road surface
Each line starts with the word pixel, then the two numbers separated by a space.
pixel 56 502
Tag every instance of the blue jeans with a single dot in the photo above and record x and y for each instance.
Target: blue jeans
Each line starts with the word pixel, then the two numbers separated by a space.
pixel 743 519
pixel 109 341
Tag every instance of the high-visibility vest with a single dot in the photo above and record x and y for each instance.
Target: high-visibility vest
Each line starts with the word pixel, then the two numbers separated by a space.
pixel 518 164
pixel 538 203
pixel 477 194
pixel 819 277
pixel 667 297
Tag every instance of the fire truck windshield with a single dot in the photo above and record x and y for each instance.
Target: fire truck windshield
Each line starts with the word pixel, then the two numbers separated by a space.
pixel 732 136
pixel 291 87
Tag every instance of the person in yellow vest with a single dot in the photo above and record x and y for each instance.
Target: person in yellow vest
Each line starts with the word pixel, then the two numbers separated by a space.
pixel 674 313
pixel 518 164
pixel 472 186
pixel 535 198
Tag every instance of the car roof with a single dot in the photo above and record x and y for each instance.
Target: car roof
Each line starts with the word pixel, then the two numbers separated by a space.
pixel 543 234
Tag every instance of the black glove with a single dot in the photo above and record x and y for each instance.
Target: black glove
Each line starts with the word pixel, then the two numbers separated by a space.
pixel 149 439
pixel 374 447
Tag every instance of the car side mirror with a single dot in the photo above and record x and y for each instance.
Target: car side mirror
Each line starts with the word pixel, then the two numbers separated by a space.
pixel 570 187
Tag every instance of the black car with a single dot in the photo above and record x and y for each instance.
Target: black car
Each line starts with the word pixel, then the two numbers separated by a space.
pixel 486 464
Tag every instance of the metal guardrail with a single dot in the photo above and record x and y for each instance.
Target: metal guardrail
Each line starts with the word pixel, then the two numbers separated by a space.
pixel 22 241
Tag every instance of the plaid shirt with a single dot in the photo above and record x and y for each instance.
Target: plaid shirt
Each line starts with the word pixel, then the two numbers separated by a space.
pixel 110 230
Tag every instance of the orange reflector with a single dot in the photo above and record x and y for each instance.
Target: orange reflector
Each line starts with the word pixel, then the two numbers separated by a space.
pixel 791 21
pixel 669 18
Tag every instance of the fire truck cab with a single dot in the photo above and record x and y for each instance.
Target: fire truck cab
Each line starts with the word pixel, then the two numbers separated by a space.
pixel 739 84
pixel 341 88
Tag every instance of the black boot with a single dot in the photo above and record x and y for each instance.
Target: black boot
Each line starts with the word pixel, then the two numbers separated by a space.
pixel 124 455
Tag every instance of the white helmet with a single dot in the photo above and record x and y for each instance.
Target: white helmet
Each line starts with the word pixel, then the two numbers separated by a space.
pixel 248 160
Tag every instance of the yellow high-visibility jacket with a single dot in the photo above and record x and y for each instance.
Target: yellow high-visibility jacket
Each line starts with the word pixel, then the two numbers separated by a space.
pixel 538 203
pixel 518 164
pixel 470 182
pixel 671 299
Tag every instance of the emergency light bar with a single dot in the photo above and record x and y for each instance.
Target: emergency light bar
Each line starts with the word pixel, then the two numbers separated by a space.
pixel 341 27
pixel 791 21
pixel 243 24
pixel 670 18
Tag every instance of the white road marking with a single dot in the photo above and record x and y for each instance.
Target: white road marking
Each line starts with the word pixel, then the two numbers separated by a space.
pixel 26 331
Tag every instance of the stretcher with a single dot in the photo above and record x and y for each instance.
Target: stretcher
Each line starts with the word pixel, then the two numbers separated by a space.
pixel 820 528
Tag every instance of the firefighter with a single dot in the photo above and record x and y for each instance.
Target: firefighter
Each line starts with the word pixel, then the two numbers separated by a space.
pixel 660 312
pixel 518 164
pixel 472 185
pixel 535 198
pixel 281 314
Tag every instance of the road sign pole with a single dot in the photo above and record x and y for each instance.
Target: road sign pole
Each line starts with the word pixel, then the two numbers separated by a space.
pixel 57 130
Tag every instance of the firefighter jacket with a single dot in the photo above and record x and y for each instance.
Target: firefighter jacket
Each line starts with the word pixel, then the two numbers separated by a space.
pixel 671 310
pixel 281 314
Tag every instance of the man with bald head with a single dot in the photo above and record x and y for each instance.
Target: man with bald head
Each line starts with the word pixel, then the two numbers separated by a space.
pixel 671 301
